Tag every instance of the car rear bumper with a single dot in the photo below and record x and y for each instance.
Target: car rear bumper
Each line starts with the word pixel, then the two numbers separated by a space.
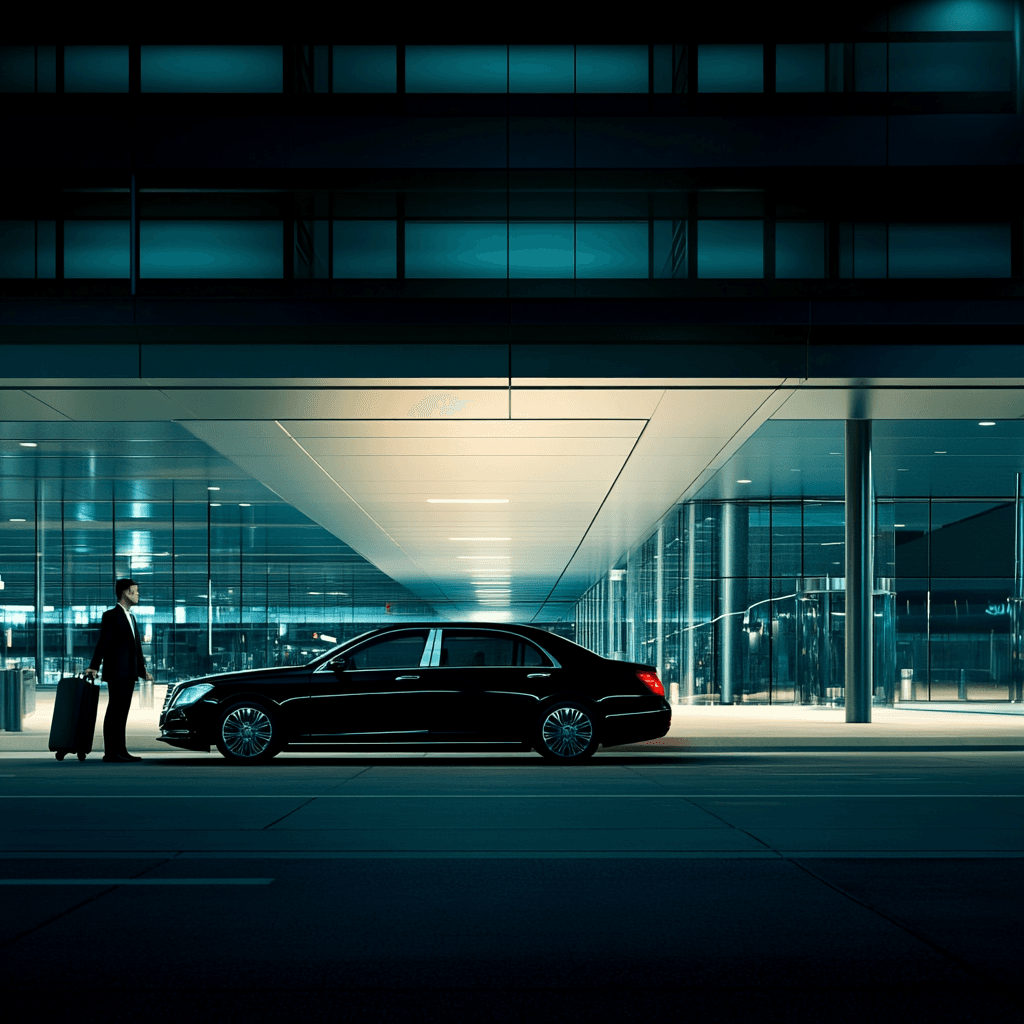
pixel 635 727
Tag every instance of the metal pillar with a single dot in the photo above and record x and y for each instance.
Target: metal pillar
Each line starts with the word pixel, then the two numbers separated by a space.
pixel 731 635
pixel 689 674
pixel 860 572
pixel 659 602
pixel 1017 604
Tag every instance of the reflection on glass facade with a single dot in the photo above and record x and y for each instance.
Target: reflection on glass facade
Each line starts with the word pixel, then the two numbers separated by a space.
pixel 743 601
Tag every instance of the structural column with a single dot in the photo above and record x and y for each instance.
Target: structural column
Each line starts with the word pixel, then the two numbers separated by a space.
pixel 860 573
pixel 734 569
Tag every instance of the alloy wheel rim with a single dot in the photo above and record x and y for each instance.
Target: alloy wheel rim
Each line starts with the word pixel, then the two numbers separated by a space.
pixel 247 732
pixel 567 732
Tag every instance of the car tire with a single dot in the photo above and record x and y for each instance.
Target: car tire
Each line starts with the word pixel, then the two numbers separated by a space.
pixel 248 733
pixel 566 733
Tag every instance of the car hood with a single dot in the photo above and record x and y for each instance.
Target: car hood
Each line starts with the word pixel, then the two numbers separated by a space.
pixel 253 674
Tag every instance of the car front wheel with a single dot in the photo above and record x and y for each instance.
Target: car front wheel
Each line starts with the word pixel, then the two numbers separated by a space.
pixel 567 733
pixel 248 733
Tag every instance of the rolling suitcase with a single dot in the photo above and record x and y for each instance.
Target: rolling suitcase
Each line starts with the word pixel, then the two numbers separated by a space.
pixel 74 717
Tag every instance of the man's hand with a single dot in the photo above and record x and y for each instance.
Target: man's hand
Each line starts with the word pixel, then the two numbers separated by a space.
pixel 149 677
pixel 90 673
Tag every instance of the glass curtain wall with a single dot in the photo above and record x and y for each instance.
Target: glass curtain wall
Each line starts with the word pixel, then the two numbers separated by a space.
pixel 743 601
pixel 223 587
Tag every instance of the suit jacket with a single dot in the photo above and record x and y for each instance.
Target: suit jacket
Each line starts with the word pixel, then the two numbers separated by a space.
pixel 119 648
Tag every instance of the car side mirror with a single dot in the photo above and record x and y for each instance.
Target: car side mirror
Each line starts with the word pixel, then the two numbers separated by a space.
pixel 339 664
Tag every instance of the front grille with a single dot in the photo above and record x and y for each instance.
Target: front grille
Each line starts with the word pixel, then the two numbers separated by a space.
pixel 171 687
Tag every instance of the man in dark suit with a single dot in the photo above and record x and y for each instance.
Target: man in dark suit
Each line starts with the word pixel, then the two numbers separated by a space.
pixel 120 650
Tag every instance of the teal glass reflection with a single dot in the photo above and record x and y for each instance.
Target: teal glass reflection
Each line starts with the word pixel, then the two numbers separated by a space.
pixel 211 249
pixel 446 250
pixel 540 69
pixel 456 69
pixel 730 248
pixel 212 69
pixel 951 67
pixel 365 69
pixel 17 248
pixel 612 250
pixel 95 68
pixel 870 257
pixel 730 67
pixel 17 69
pixel 611 68
pixel 540 251
pixel 869 67
pixel 952 16
pixel 96 248
pixel 799 250
pixel 800 67
pixel 365 248
pixel 949 250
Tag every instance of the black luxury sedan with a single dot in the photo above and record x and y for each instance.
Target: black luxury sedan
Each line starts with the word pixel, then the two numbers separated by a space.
pixel 450 686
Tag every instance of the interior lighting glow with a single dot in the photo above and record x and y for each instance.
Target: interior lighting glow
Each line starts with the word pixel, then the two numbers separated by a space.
pixel 213 488
pixel 743 481
pixel 987 423
pixel 244 504
pixel 902 470
pixel 899 526
pixel 28 444
pixel 467 501
pixel 214 504
pixel 942 453
pixel 18 520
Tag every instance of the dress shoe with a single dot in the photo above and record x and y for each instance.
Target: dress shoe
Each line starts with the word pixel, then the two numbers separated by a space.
pixel 114 759
pixel 130 757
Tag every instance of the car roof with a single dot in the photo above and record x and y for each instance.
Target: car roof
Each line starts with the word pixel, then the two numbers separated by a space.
pixel 560 644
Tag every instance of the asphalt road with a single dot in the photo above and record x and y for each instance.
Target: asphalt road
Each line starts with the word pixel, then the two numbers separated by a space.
pixel 783 887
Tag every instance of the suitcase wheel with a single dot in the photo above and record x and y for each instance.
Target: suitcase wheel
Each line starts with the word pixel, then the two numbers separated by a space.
pixel 61 754
pixel 81 755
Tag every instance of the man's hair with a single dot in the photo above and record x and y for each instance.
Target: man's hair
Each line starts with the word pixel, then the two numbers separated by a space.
pixel 122 585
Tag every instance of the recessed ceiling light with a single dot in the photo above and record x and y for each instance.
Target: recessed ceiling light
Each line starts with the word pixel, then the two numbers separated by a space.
pixel 244 504
pixel 28 444
pixel 987 423
pixel 213 488
pixel 479 538
pixel 467 501
pixel 899 526
pixel 942 453
pixel 902 470
pixel 743 481
pixel 19 520
pixel 794 471
pixel 835 453
pixel 214 504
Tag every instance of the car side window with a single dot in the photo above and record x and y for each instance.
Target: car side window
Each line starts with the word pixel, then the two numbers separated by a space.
pixel 476 649
pixel 402 651
pixel 530 655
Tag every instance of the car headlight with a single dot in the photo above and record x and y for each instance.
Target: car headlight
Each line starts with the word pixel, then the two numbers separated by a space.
pixel 191 694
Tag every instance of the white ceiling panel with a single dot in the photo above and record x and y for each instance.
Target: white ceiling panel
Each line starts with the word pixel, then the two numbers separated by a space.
pixel 570 404
pixel 466 447
pixel 467 427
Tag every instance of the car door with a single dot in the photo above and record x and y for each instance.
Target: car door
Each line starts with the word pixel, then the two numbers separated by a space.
pixel 373 690
pixel 493 678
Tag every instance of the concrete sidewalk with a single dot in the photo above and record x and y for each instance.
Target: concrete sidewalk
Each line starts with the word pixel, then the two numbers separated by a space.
pixel 695 728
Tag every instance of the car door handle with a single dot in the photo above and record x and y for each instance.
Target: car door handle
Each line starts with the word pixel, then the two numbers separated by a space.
pixel 405 679
pixel 538 675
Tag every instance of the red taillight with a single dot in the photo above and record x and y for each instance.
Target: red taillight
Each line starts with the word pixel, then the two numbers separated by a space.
pixel 652 682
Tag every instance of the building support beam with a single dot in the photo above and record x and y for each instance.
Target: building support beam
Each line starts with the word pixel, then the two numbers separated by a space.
pixel 860 574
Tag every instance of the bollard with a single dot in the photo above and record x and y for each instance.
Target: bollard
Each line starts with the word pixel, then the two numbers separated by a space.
pixel 962 689
pixel 906 684
pixel 12 712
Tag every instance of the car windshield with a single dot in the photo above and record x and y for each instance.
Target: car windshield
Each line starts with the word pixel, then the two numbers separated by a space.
pixel 327 655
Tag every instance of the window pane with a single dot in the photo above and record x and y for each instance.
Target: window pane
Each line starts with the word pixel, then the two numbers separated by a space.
pixel 611 68
pixel 540 250
pixel 952 16
pixel 800 250
pixel 869 250
pixel 461 650
pixel 800 67
pixel 212 249
pixel 869 67
pixel 434 249
pixel 971 539
pixel 17 248
pixel 824 539
pixel 212 69
pixel 610 250
pixel 365 248
pixel 730 248
pixel 95 68
pixel 950 67
pixel 96 248
pixel 531 657
pixel 949 250
pixel 17 69
pixel 397 652
pixel 734 67
pixel 456 69
pixel 365 69
pixel 540 69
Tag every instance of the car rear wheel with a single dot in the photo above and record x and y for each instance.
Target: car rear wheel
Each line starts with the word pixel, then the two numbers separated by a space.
pixel 567 733
pixel 248 733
